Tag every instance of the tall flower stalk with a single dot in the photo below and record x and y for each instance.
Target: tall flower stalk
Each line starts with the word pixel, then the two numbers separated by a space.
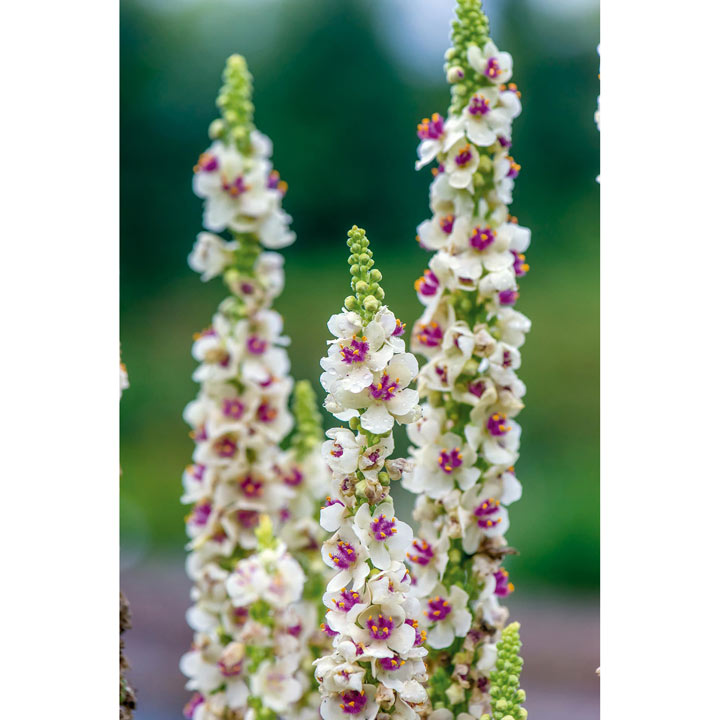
pixel 253 542
pixel 375 667
pixel 466 445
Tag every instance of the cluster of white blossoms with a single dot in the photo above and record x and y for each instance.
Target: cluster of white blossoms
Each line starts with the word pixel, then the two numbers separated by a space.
pixel 253 540
pixel 375 668
pixel 466 443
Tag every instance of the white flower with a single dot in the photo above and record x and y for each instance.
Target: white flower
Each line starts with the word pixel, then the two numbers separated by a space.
pixel 248 582
pixel 344 607
pixel 441 465
pixel 357 704
pixel 386 400
pixel 234 187
pixel 275 684
pixel 210 255
pixel 429 557
pixel 461 163
pixel 436 136
pixel 486 118
pixel 481 514
pixel 385 537
pixel 446 615
pixel 346 553
pixel 332 515
pixel 498 436
pixel 391 585
pixel 383 632
pixel 396 672
pixel 496 66
pixel 339 673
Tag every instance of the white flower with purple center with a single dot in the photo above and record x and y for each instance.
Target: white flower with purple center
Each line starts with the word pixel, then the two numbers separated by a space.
pixel 387 400
pixel 351 361
pixel 391 585
pixel 428 558
pixel 482 515
pixel 385 537
pixel 443 464
pixel 496 66
pixel 275 683
pixel 485 118
pixel 358 704
pixel 461 163
pixel 436 136
pixel 396 672
pixel 497 437
pixel 345 553
pixel 344 606
pixel 332 514
pixel 234 188
pixel 446 616
pixel 381 631
pixel 441 232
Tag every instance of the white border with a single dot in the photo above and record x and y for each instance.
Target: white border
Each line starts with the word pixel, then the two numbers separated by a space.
pixel 660 260
pixel 59 297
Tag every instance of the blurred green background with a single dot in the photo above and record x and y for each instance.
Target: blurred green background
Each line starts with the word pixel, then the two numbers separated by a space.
pixel 339 87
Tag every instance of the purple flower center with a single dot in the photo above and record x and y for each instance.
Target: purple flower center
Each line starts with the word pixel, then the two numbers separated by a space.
pixel 266 413
pixel 247 518
pixel 233 408
pixel 347 600
pixel 496 425
pixel 380 627
pixel 332 501
pixel 225 447
pixel 294 478
pixel 356 351
pixel 430 334
pixel 345 557
pixel 200 513
pixel 477 387
pixel 247 288
pixel 256 345
pixel 519 265
pixel 431 128
pixel 207 162
pixel 251 487
pixel 295 630
pixel 399 328
pixel 502 585
pixel 504 142
pixel 353 701
pixel 373 456
pixel 391 663
pixel 438 608
pixel 328 630
pixel 508 297
pixel 488 513
pixel 337 450
pixel 275 183
pixel 428 284
pixel 191 705
pixel 482 238
pixel 382 528
pixel 236 187
pixel 507 359
pixel 514 170
pixel 447 223
pixel 197 472
pixel 419 634
pixel 449 461
pixel 464 157
pixel 479 105
pixel 423 553
pixel 492 69
pixel 384 389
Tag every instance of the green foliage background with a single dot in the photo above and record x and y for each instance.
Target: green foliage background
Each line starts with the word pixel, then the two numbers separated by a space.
pixel 342 112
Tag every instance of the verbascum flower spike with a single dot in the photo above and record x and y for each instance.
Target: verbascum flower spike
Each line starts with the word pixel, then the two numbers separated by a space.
pixel 253 539
pixel 466 445
pixel 375 667
pixel 506 697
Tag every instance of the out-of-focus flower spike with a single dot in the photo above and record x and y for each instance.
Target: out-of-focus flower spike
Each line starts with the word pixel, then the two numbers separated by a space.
pixel 308 421
pixel 235 103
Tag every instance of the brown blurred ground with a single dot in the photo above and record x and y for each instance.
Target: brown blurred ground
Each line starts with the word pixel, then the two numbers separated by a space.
pixel 560 637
